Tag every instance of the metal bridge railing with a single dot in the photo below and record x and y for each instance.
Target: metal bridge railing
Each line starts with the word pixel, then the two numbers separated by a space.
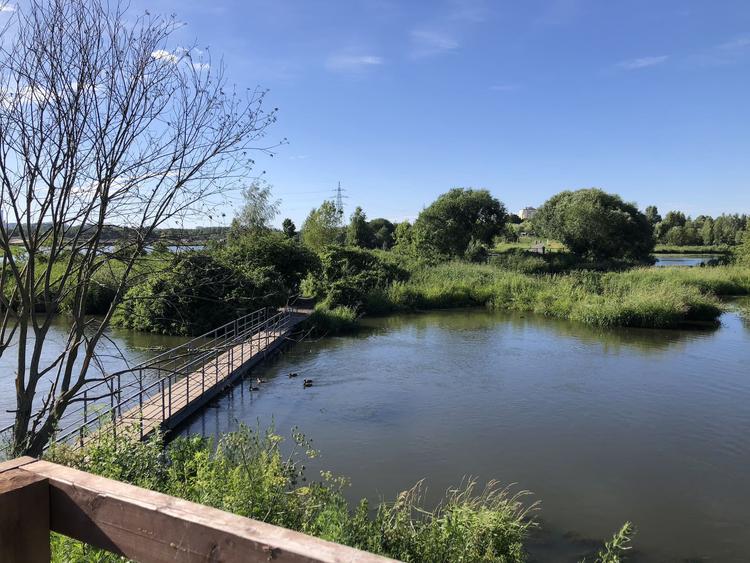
pixel 120 397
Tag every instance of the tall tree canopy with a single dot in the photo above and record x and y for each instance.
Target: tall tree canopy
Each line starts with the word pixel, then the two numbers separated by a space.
pixel 359 233
pixel 322 227
pixel 597 225
pixel 458 217
pixel 259 208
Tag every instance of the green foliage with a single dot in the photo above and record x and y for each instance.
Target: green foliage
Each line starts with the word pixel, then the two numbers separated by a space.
pixel 448 225
pixel 476 252
pixel 352 277
pixel 652 214
pixel 289 228
pixel 615 550
pixel 195 294
pixel 647 297
pixel 322 227
pixel 270 260
pixel 677 229
pixel 339 320
pixel 254 474
pixel 742 253
pixel 258 208
pixel 359 233
pixel 595 225
pixel 382 233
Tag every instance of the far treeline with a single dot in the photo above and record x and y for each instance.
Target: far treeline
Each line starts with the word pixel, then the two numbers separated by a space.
pixel 457 253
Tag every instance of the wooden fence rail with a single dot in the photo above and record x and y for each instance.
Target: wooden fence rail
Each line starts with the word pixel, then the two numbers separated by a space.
pixel 37 497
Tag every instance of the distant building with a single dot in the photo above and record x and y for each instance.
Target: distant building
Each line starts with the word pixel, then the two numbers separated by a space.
pixel 527 213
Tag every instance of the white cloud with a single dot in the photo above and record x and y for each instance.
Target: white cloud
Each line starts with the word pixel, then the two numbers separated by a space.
pixel 161 54
pixel 7 8
pixel 352 63
pixel 643 62
pixel 426 43
pixel 201 66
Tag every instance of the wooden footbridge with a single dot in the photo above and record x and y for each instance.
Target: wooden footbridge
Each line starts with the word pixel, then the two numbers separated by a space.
pixel 164 391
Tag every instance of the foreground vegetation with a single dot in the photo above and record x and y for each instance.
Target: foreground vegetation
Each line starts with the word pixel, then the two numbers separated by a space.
pixel 253 474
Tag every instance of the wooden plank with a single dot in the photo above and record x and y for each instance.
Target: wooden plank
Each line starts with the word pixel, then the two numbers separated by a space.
pixel 153 528
pixel 24 517
pixel 15 463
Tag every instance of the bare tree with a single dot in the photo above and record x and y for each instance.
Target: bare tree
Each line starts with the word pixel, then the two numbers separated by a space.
pixel 103 124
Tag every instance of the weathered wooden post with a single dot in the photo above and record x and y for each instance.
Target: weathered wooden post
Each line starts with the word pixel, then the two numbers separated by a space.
pixel 24 515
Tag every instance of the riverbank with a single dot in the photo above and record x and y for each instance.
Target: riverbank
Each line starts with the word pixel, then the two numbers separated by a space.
pixel 253 474
pixel 642 297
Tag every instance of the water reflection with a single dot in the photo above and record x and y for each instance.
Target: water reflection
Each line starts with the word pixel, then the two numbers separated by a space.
pixel 603 426
pixel 611 340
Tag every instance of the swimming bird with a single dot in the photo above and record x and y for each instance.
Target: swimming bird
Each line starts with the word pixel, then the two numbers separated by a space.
pixel 259 381
pixel 307 383
pixel 293 374
pixel 254 388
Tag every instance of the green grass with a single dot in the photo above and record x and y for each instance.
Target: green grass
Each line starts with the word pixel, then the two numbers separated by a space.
pixel 326 321
pixel 644 297
pixel 252 474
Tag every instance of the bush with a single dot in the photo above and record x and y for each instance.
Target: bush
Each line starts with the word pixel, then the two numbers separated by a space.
pixel 247 473
pixel 196 294
pixel 270 259
pixel 351 276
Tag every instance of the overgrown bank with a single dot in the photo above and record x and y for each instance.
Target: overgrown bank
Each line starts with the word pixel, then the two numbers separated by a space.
pixel 249 473
pixel 641 297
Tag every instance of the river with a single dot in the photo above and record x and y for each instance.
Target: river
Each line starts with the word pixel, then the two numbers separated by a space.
pixel 651 426
pixel 604 426
pixel 663 260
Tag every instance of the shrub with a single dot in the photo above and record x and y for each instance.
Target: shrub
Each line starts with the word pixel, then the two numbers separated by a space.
pixel 349 276
pixel 197 293
pixel 252 473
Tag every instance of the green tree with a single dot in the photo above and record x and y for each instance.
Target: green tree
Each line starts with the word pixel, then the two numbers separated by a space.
pixel 271 260
pixel 652 214
pixel 382 233
pixel 596 225
pixel 358 233
pixel 671 220
pixel 289 228
pixel 402 236
pixel 197 293
pixel 742 252
pixel 322 227
pixel 455 218
pixel 259 208
pixel 351 276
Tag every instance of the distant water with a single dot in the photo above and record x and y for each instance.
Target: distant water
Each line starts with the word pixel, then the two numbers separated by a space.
pixel 604 426
pixel 684 259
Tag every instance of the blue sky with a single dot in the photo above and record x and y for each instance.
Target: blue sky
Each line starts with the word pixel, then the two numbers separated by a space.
pixel 401 101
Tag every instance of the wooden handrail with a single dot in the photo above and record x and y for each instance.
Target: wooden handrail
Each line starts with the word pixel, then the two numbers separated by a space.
pixel 37 497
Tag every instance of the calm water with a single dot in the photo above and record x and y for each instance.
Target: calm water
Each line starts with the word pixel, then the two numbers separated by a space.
pixel 603 426
pixel 123 348
pixel 683 259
